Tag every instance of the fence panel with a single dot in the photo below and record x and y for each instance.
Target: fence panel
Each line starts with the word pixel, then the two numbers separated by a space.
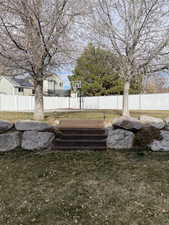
pixel 8 103
pixel 136 102
pixel 25 103
pixel 107 102
pixel 53 103
pixel 74 103
pixel 91 102
pixel 155 102
pixel 16 103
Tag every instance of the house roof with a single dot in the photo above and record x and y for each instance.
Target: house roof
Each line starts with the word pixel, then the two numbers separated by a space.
pixel 26 82
pixel 17 82
pixel 51 76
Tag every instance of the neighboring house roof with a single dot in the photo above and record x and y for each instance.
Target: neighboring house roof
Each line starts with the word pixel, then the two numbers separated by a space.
pixel 26 82
pixel 52 76
pixel 16 82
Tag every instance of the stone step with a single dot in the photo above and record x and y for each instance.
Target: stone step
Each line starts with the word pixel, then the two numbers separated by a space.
pixel 79 143
pixel 83 136
pixel 96 124
pixel 81 131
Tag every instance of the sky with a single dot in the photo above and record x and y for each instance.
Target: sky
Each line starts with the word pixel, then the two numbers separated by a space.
pixel 64 76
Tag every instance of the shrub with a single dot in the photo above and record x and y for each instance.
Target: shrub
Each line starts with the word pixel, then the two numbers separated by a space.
pixel 145 136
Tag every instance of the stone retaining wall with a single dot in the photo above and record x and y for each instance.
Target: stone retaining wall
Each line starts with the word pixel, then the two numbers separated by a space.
pixel 27 135
pixel 143 133
pixel 124 133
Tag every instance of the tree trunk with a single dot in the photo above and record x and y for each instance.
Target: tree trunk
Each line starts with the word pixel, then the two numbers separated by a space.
pixel 125 111
pixel 39 108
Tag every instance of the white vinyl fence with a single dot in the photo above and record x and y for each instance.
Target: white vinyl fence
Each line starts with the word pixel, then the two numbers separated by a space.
pixel 136 102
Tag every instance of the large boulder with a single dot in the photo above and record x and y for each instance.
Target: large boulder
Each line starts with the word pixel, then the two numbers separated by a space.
pixel 29 125
pixel 9 141
pixel 34 140
pixel 120 139
pixel 127 123
pixel 5 125
pixel 161 145
pixel 152 121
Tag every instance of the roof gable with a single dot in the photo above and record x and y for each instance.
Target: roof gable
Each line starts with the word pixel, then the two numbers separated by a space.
pixel 53 77
pixel 19 82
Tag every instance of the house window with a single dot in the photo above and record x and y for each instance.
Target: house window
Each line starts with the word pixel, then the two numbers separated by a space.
pixel 50 85
pixel 20 89
pixel 61 84
pixel 33 92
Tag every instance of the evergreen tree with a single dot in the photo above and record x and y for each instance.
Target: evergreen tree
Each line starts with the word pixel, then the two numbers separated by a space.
pixel 97 69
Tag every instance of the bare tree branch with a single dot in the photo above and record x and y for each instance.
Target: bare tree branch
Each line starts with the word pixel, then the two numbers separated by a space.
pixel 35 37
pixel 137 31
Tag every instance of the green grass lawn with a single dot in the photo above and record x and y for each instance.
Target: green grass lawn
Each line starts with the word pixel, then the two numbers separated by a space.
pixel 84 188
pixel 92 114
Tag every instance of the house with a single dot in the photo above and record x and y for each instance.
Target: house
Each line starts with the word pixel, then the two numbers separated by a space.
pixel 11 85
pixel 53 85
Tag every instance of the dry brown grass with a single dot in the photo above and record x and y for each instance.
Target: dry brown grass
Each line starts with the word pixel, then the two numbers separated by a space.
pixel 108 115
pixel 84 188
